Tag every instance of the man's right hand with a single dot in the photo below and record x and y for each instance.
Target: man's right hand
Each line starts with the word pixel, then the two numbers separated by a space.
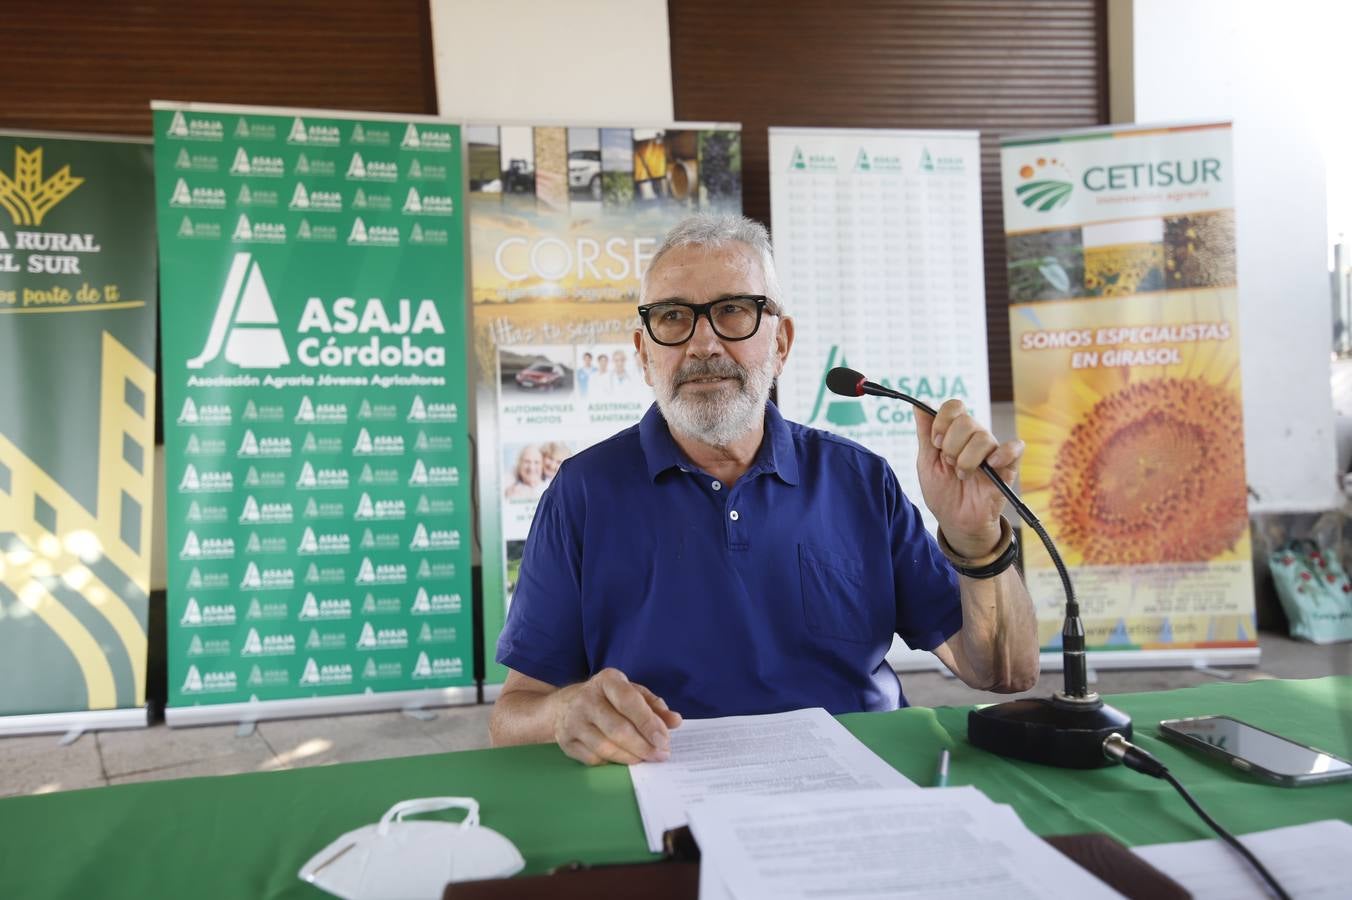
pixel 609 718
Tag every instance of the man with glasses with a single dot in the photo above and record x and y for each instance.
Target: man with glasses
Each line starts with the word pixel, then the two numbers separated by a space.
pixel 716 559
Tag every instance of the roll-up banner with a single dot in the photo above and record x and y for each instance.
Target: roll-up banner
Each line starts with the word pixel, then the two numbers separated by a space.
pixel 77 430
pixel 878 246
pixel 312 266
pixel 1126 355
pixel 563 222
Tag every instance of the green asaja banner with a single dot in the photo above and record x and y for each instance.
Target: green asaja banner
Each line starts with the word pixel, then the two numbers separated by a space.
pixel 316 437
pixel 77 431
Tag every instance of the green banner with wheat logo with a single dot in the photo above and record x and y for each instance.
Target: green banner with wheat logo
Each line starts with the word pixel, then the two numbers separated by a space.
pixel 77 403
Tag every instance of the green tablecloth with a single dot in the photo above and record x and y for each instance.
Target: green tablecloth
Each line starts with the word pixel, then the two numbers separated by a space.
pixel 246 836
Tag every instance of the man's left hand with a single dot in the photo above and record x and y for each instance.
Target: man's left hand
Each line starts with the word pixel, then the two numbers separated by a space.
pixel 952 447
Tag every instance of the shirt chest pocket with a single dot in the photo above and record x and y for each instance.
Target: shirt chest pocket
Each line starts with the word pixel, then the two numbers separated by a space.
pixel 835 603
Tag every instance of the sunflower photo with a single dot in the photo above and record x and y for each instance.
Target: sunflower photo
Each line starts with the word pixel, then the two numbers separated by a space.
pixel 1133 417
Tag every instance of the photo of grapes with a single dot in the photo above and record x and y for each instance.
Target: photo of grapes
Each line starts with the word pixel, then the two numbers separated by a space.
pixel 720 161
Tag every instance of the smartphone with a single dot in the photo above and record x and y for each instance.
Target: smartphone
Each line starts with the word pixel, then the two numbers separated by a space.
pixel 1251 749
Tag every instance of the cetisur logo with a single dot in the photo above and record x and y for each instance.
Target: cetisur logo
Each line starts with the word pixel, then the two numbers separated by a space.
pixel 27 197
pixel 1045 186
pixel 245 324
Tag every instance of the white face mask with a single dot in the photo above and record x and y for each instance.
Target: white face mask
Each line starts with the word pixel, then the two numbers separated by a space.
pixel 399 860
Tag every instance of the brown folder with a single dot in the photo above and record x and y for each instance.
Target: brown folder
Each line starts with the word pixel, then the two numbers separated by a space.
pixel 678 878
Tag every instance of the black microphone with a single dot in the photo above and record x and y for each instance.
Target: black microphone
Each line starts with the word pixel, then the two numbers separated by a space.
pixel 1069 729
pixel 846 382
pixel 850 383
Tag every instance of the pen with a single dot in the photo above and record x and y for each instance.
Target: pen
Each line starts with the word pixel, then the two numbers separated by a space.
pixel 941 776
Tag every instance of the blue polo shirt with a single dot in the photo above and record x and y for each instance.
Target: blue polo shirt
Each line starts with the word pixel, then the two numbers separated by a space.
pixel 780 592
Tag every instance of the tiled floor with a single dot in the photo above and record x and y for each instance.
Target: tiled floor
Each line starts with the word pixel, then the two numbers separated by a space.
pixel 39 764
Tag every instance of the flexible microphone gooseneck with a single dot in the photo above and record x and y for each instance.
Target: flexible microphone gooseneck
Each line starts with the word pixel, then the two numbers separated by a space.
pixel 1067 730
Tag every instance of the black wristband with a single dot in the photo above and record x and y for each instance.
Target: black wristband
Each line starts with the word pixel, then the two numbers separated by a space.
pixel 990 569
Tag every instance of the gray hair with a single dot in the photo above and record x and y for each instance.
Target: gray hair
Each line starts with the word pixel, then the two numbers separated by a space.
pixel 718 230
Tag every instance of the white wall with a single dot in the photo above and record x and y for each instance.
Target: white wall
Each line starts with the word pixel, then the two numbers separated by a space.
pixel 592 61
pixel 1261 66
pixel 609 61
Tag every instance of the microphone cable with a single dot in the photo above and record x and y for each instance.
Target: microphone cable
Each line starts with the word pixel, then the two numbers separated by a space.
pixel 1119 748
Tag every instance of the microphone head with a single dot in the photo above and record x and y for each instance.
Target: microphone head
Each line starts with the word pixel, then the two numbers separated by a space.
pixel 846 382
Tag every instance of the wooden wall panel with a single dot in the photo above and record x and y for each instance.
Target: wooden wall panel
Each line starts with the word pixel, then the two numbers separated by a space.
pixel 997 67
pixel 95 66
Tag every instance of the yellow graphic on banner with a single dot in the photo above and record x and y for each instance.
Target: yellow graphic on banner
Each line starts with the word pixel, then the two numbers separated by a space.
pixel 1131 411
pixel 89 656
pixel 54 533
pixel 27 197
pixel 1135 437
pixel 101 307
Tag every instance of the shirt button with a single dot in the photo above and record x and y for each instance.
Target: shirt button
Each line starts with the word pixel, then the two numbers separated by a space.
pixel 733 515
pixel 717 486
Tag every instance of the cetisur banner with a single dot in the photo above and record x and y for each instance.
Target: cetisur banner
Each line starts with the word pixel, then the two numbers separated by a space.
pixel 564 222
pixel 1124 325
pixel 77 431
pixel 316 437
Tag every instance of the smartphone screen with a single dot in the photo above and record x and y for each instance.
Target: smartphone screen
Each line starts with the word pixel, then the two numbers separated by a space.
pixel 1261 748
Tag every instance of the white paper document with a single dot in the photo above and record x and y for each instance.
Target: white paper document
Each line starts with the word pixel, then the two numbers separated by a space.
pixel 941 843
pixel 785 753
pixel 1309 861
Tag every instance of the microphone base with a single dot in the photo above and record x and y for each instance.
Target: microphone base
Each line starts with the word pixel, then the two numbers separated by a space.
pixel 1057 731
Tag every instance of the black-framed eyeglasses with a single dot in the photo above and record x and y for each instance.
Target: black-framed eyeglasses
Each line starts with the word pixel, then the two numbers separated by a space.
pixel 736 318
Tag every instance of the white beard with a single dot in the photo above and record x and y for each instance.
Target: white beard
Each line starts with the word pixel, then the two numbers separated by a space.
pixel 717 418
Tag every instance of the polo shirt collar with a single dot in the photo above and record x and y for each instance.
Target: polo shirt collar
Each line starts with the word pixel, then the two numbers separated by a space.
pixel 776 454
pixel 659 449
pixel 783 460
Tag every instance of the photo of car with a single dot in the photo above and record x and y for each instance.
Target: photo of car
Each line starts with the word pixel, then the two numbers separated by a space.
pixel 541 376
pixel 534 371
pixel 584 174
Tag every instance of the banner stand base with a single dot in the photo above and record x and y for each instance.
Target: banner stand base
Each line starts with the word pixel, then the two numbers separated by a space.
pixel 303 707
pixel 1200 658
pixel 75 721
pixel 1182 658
